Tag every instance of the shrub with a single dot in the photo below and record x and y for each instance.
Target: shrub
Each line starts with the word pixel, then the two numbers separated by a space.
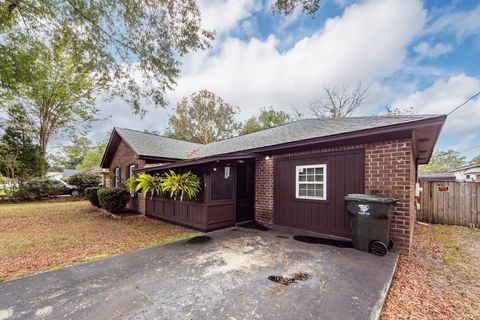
pixel 84 180
pixel 36 189
pixel 113 200
pixel 92 196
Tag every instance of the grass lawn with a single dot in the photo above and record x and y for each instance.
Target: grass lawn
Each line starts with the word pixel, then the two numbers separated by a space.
pixel 40 236
pixel 440 279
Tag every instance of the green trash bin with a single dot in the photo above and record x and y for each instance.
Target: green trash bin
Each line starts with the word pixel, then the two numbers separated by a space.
pixel 370 218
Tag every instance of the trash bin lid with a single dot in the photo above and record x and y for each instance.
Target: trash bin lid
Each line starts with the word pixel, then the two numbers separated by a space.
pixel 369 198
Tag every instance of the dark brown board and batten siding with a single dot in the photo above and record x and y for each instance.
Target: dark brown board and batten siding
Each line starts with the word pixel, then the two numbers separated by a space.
pixel 345 174
pixel 214 210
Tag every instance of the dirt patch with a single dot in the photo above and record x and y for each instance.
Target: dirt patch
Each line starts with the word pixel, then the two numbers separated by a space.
pixel 288 281
pixel 439 279
pixel 41 236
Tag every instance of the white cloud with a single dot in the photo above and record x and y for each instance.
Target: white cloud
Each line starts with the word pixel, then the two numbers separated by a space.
pixel 461 126
pixel 461 23
pixel 364 44
pixel 425 49
pixel 222 16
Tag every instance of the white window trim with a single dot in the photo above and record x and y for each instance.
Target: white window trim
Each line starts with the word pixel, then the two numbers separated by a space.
pixel 117 177
pixel 131 175
pixel 297 182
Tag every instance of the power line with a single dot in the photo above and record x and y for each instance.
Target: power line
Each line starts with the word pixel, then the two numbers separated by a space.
pixel 464 103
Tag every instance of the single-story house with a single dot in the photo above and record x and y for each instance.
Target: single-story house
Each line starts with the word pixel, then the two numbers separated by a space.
pixel 470 172
pixel 295 175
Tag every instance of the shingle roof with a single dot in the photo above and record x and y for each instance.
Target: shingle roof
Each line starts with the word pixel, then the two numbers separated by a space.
pixel 159 146
pixel 303 130
pixel 148 144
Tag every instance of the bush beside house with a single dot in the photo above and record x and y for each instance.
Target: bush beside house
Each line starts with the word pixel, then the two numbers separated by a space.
pixel 84 180
pixel 91 194
pixel 113 200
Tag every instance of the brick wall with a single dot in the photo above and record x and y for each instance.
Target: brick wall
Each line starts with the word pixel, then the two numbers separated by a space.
pixel 389 171
pixel 264 190
pixel 123 158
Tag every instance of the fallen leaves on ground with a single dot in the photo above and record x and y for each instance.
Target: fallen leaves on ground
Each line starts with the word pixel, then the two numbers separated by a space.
pixel 39 236
pixel 440 278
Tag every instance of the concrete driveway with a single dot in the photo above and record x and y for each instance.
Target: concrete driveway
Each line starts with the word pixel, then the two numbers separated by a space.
pixel 224 278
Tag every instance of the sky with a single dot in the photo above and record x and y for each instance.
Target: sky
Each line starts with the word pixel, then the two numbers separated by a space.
pixel 423 56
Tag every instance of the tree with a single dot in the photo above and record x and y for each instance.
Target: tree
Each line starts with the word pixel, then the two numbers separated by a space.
pixel 202 118
pixel 125 40
pixel 339 102
pixel 20 158
pixel 396 111
pixel 267 118
pixel 443 161
pixel 475 159
pixel 287 7
pixel 92 158
pixel 73 154
pixel 59 94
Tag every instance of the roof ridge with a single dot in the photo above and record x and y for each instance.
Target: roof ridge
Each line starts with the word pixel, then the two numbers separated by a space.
pixel 161 136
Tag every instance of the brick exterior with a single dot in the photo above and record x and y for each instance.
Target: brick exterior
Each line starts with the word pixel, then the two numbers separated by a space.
pixel 264 190
pixel 389 171
pixel 123 158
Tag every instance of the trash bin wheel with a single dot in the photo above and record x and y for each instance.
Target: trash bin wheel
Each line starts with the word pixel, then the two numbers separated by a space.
pixel 378 248
pixel 390 245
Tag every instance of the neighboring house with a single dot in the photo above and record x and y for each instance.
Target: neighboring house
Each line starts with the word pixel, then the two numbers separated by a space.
pixel 293 175
pixel 102 172
pixel 470 172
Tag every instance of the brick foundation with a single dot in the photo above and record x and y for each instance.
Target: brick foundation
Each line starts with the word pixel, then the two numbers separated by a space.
pixel 389 171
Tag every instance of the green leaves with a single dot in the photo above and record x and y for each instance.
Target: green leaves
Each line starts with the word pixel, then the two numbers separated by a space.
pixel 133 46
pixel 203 117
pixel 267 118
pixel 442 161
pixel 180 184
pixel 177 185
pixel 146 183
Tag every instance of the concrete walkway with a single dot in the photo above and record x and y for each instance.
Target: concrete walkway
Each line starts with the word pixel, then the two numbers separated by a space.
pixel 224 278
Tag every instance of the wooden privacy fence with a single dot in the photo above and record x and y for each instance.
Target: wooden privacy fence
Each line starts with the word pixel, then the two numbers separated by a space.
pixel 450 202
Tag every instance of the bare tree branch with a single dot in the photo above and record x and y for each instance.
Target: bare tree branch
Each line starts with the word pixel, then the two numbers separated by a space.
pixel 339 102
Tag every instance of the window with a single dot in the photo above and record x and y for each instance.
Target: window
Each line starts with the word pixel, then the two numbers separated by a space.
pixel 131 174
pixel 116 182
pixel 311 182
pixel 221 183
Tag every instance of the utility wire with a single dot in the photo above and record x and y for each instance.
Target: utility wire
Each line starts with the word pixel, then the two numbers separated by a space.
pixel 464 103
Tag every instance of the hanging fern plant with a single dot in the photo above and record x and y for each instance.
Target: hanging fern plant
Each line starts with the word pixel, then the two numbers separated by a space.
pixel 179 184
pixel 146 183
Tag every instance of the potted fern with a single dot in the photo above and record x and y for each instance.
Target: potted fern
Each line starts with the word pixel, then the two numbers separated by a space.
pixel 180 184
pixel 148 184
pixel 176 185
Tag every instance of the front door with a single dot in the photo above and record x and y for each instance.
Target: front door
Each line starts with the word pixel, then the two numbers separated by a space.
pixel 245 191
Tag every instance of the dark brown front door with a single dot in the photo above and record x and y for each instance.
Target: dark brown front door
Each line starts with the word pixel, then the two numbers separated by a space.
pixel 245 191
pixel 344 174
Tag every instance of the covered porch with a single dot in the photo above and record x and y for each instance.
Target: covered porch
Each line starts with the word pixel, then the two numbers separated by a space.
pixel 226 197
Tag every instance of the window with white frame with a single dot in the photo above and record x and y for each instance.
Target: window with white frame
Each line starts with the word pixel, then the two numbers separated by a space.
pixel 311 182
pixel 117 178
pixel 131 175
